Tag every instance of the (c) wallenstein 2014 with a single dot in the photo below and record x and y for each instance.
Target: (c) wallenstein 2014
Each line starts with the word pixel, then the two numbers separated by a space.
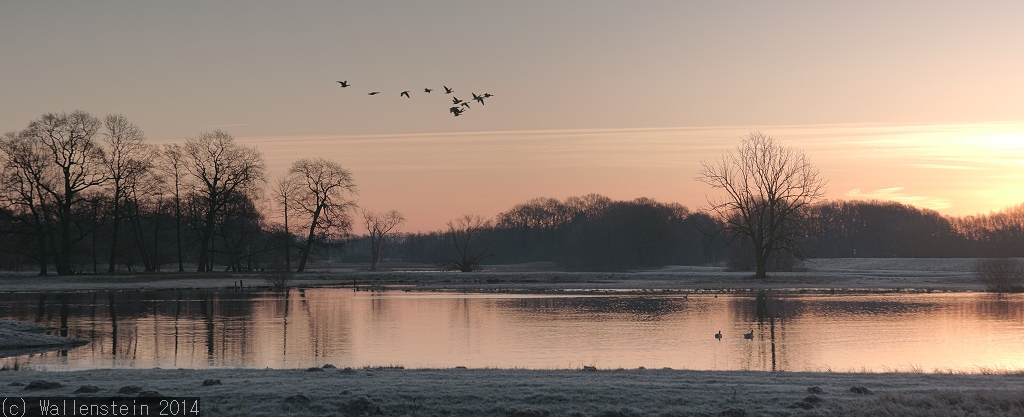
pixel 102 406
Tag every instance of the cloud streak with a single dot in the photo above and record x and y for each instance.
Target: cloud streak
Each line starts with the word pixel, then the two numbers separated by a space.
pixel 896 194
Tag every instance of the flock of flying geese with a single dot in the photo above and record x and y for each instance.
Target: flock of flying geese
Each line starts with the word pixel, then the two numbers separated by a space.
pixel 458 106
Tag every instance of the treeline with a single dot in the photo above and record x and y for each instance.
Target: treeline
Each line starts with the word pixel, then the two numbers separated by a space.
pixel 80 194
pixel 83 194
pixel 595 233
pixel 876 229
pixel 591 232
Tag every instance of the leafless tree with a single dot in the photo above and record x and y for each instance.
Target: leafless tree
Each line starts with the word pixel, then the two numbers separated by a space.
pixel 768 189
pixel 69 140
pixel 381 226
pixel 127 159
pixel 25 168
pixel 285 192
pixel 465 233
pixel 172 163
pixel 1000 275
pixel 324 187
pixel 223 170
pixel 145 201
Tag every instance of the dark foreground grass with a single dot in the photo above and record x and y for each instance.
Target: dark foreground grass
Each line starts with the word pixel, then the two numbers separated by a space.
pixel 530 393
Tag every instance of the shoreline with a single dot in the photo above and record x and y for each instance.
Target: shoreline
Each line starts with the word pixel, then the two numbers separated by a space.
pixel 526 393
pixel 820 275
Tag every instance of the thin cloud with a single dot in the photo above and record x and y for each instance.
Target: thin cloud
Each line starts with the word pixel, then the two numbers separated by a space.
pixel 896 194
pixel 943 166
pixel 226 125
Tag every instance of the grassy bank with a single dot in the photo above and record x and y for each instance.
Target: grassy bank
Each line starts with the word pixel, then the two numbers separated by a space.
pixel 489 392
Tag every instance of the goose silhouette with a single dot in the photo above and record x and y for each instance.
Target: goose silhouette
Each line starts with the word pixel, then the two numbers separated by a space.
pixel 373 93
pixel 427 90
pixel 749 335
pixel 719 335
pixel 405 93
pixel 448 90
pixel 344 84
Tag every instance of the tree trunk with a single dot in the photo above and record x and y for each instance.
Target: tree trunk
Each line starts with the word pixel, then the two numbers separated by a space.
pixel 113 238
pixel 204 254
pixel 42 253
pixel 309 240
pixel 374 251
pixel 64 260
pixel 177 226
pixel 156 241
pixel 287 240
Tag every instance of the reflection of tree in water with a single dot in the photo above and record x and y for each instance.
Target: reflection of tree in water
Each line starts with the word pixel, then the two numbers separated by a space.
pixel 999 306
pixel 130 325
pixel 770 314
pixel 648 307
pixel 832 307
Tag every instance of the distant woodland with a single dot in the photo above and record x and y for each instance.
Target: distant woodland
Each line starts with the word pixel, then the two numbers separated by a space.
pixel 80 194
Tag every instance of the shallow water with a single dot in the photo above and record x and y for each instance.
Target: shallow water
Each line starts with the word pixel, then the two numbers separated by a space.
pixel 965 332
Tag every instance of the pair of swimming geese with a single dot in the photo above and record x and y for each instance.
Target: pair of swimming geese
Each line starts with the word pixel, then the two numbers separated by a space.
pixel 749 336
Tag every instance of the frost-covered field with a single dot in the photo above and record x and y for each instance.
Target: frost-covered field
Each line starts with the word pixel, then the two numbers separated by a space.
pixel 20 338
pixel 842 274
pixel 492 392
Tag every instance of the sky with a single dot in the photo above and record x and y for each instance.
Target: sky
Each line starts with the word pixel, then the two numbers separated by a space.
pixel 916 102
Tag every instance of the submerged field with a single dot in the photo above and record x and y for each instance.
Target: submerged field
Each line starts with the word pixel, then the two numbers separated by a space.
pixel 567 392
pixel 858 274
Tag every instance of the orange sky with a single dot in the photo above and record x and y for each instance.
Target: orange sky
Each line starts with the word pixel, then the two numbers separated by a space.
pixel 957 169
pixel 913 101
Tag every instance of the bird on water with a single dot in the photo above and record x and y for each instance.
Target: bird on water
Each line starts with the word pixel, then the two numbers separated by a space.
pixel 719 335
pixel 749 335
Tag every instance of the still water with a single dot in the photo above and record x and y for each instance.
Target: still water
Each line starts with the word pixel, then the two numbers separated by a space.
pixel 967 332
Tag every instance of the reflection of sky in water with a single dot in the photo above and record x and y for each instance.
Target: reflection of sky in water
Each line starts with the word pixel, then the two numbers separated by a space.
pixel 196 329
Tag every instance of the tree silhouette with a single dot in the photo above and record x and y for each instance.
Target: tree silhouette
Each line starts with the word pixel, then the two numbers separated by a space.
pixel 222 169
pixel 768 189
pixel 465 233
pixel 323 186
pixel 380 227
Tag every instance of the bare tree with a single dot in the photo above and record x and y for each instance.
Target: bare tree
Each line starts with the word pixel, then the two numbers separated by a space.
pixel 1000 275
pixel 69 140
pixel 381 226
pixel 465 233
pixel 324 186
pixel 286 191
pixel 25 168
pixel 127 159
pixel 768 189
pixel 223 170
pixel 172 163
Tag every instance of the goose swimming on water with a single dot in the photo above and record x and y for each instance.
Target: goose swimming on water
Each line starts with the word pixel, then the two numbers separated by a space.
pixel 749 335
pixel 719 335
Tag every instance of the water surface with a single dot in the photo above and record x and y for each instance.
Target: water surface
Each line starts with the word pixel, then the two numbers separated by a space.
pixel 301 328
